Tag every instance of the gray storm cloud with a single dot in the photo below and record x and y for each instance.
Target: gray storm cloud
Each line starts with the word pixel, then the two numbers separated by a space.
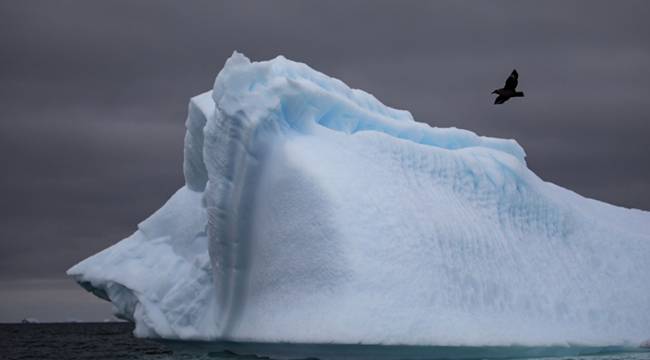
pixel 93 97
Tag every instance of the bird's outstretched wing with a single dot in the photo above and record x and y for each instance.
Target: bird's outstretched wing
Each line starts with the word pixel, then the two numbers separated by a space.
pixel 511 82
pixel 501 99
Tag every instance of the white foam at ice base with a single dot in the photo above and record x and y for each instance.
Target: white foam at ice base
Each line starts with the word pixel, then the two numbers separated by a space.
pixel 312 213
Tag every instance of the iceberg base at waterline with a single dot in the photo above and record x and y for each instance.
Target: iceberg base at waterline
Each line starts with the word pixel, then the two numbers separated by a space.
pixel 313 213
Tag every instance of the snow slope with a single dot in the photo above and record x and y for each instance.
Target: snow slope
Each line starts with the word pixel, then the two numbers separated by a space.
pixel 313 213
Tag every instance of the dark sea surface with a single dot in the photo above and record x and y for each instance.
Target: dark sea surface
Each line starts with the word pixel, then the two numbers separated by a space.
pixel 115 341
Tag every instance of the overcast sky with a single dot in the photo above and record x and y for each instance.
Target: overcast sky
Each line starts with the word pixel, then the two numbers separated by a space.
pixel 93 98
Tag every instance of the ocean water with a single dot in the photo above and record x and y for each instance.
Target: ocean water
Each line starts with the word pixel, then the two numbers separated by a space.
pixel 115 341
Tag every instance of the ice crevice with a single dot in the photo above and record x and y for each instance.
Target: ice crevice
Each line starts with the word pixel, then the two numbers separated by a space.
pixel 313 213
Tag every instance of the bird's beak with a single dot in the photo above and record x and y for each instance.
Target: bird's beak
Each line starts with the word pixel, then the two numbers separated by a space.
pixel 494 92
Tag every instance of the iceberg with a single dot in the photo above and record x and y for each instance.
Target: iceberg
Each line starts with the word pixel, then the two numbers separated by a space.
pixel 313 213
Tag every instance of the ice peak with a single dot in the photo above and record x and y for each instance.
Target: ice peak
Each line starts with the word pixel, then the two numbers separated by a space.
pixel 236 59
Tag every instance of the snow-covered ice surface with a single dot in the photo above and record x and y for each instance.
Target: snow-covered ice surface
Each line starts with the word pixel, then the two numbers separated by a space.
pixel 312 213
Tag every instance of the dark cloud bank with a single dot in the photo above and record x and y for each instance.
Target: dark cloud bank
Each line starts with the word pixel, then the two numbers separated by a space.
pixel 93 96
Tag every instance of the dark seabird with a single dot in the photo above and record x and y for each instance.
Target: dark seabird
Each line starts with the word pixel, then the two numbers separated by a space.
pixel 509 90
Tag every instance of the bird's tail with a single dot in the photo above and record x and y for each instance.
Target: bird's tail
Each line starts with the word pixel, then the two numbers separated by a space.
pixel 518 94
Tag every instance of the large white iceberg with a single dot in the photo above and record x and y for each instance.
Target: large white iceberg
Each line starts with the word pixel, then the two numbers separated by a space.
pixel 313 213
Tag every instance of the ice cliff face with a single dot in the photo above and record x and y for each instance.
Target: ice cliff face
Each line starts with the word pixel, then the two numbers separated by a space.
pixel 313 213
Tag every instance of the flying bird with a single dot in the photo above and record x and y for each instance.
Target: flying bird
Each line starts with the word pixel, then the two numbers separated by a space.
pixel 509 90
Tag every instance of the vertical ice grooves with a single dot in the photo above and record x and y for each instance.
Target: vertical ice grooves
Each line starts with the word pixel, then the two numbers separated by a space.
pixel 200 108
pixel 223 196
